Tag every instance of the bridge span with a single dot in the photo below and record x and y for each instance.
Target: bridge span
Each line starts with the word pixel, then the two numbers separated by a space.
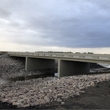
pixel 68 63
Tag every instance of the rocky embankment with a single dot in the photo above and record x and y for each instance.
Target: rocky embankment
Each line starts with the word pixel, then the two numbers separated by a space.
pixel 44 90
pixel 15 67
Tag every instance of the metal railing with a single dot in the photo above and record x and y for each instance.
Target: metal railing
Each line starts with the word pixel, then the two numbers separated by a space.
pixel 64 55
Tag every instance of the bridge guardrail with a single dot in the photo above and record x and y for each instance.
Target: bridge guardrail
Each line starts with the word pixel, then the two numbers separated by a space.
pixel 66 55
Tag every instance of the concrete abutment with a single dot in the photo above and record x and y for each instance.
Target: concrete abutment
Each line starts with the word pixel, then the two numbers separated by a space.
pixel 69 68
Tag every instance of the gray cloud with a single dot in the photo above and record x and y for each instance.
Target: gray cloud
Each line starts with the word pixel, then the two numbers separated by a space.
pixel 4 13
pixel 63 23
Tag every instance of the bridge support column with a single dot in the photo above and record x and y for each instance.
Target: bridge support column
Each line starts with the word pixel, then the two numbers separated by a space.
pixel 69 68
pixel 38 63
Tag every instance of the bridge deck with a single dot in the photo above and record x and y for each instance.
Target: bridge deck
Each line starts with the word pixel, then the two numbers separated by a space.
pixel 92 58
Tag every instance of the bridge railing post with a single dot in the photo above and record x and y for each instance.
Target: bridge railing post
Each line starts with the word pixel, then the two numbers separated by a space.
pixel 95 57
pixel 81 56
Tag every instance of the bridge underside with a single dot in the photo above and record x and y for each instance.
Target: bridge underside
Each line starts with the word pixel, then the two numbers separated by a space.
pixel 65 68
pixel 38 63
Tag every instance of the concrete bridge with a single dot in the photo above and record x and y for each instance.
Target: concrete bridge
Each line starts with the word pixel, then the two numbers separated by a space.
pixel 68 63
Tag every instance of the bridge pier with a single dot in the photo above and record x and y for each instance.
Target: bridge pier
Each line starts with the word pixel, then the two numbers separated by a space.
pixel 69 68
pixel 38 63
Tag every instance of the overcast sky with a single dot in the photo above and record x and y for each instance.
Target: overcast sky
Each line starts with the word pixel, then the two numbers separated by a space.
pixel 54 25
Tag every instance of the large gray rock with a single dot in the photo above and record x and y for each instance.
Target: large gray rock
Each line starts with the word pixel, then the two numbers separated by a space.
pixel 59 100
pixel 46 99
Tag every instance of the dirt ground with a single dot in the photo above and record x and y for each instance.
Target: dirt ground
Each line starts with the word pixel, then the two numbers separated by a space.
pixel 97 97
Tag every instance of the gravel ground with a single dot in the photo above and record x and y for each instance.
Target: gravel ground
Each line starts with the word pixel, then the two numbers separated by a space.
pixel 95 97
pixel 45 90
